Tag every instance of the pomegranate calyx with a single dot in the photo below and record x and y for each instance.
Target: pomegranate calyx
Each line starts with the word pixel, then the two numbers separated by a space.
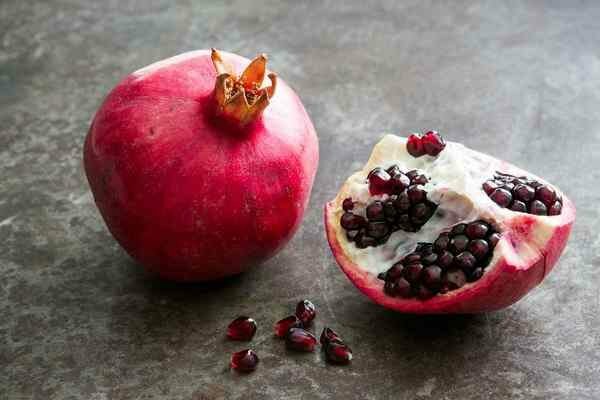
pixel 242 98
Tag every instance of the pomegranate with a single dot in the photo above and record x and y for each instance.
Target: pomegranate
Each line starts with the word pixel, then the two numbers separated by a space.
pixel 200 173
pixel 283 326
pixel 471 234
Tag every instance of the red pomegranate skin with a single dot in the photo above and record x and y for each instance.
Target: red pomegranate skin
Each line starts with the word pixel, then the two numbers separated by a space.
pixel 187 195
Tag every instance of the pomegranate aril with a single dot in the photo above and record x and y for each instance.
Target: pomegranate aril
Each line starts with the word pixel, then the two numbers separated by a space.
pixel 465 260
pixel 402 288
pixel 351 221
pixel 429 259
pixel 454 279
pixel 432 277
pixel 519 206
pixel 402 202
pixel 479 248
pixel 379 181
pixel 555 209
pixel 416 194
pixel 394 272
pixel 458 229
pixel 414 145
pixel 476 274
pixel 338 353
pixel 423 293
pixel 398 183
pixel 538 208
pixel 524 193
pixel 412 272
pixel 489 187
pixel 347 204
pixel 328 335
pixel 282 327
pixel 433 143
pixel 459 243
pixel 419 180
pixel 502 197
pixel 546 195
pixel 375 211
pixel 306 312
pixel 241 328
pixel 353 235
pixel 244 361
pixel 441 243
pixel 299 339
pixel 493 240
pixel 445 259
pixel 477 230
pixel 377 230
pixel 411 258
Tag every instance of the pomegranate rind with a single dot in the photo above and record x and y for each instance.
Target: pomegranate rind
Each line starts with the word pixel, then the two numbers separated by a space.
pixel 528 250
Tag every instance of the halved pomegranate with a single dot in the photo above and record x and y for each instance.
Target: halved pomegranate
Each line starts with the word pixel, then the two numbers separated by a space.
pixel 469 233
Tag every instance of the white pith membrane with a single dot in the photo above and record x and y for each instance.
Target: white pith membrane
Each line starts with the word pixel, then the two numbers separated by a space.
pixel 455 179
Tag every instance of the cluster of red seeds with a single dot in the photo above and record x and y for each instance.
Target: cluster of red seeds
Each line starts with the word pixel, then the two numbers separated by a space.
pixel 454 258
pixel 406 208
pixel 522 194
pixel 297 337
pixel 431 143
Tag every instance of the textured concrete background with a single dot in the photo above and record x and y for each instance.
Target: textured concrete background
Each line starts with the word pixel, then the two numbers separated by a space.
pixel 79 320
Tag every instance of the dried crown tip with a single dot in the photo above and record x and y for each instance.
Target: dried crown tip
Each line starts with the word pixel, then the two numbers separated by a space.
pixel 242 98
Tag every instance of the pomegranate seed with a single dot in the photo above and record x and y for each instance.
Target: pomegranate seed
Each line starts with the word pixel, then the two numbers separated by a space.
pixel 423 293
pixel 241 328
pixel 379 181
pixel 282 327
pixel 351 221
pixel 347 204
pixel 300 340
pixel 244 361
pixel 402 288
pixel 393 170
pixel 394 272
pixel 454 279
pixel 458 229
pixel 524 193
pixel 489 187
pixel 329 335
pixel 465 260
pixel 459 243
pixel 414 145
pixel 502 197
pixel 538 208
pixel 338 353
pixel 375 211
pixel 479 248
pixel 398 183
pixel 432 277
pixel 416 194
pixel 555 209
pixel 546 195
pixel 477 230
pixel 306 312
pixel 494 239
pixel 402 202
pixel 412 272
pixel 441 242
pixel 445 259
pixel 518 206
pixel 433 143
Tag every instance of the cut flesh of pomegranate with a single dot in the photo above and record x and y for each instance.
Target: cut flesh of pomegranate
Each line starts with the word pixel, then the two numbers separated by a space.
pixel 487 244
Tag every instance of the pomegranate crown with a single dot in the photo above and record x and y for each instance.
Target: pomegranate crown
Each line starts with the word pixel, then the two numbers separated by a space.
pixel 242 98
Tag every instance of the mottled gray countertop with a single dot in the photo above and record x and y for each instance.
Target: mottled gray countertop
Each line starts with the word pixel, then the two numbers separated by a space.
pixel 79 320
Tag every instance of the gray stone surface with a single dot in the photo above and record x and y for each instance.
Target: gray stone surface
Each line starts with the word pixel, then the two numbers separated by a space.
pixel 79 320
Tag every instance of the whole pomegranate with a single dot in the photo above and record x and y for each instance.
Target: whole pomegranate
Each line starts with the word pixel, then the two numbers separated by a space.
pixel 445 229
pixel 198 172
